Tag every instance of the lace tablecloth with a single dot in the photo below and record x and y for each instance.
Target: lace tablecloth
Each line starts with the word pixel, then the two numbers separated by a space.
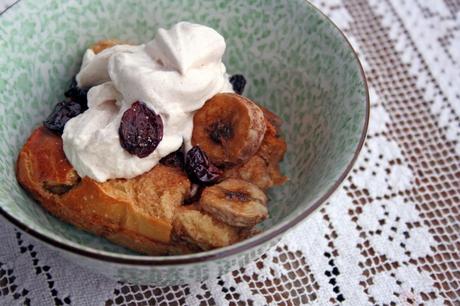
pixel 389 236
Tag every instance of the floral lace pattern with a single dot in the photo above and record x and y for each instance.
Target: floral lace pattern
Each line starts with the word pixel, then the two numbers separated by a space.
pixel 389 236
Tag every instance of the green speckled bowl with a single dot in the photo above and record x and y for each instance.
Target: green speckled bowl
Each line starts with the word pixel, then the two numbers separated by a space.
pixel 297 63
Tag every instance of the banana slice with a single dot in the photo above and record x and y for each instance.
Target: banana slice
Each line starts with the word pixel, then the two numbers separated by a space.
pixel 263 168
pixel 229 128
pixel 235 202
pixel 195 228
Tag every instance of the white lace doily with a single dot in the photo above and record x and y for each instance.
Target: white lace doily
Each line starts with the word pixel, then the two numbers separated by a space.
pixel 389 236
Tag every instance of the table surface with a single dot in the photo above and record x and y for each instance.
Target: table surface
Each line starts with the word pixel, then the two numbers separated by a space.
pixel 389 236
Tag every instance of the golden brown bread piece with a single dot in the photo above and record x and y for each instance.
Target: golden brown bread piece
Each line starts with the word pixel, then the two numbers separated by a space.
pixel 121 210
pixel 138 213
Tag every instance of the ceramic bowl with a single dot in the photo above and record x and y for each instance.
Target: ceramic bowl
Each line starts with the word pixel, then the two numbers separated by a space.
pixel 296 61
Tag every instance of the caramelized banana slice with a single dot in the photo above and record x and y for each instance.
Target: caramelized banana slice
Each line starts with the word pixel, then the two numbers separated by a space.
pixel 235 202
pixel 195 228
pixel 263 169
pixel 229 128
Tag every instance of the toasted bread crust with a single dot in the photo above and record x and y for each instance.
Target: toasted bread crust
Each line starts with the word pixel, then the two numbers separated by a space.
pixel 101 208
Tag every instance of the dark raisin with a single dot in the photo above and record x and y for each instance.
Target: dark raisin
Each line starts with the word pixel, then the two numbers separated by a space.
pixel 174 159
pixel 77 94
pixel 238 82
pixel 62 112
pixel 141 130
pixel 199 169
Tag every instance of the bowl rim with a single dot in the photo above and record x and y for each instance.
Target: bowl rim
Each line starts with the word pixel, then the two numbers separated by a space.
pixel 240 247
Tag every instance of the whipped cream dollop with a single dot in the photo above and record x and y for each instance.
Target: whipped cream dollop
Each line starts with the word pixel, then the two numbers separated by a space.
pixel 174 75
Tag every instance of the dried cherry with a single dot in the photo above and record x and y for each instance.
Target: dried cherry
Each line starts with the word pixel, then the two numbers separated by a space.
pixel 77 94
pixel 199 169
pixel 62 112
pixel 174 159
pixel 238 82
pixel 141 130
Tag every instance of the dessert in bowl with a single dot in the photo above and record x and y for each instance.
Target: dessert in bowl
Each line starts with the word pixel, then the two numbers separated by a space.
pixel 303 71
pixel 155 148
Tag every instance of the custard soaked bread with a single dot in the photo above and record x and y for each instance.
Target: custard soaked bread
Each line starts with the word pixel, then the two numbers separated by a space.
pixel 129 212
pixel 137 213
pixel 148 213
